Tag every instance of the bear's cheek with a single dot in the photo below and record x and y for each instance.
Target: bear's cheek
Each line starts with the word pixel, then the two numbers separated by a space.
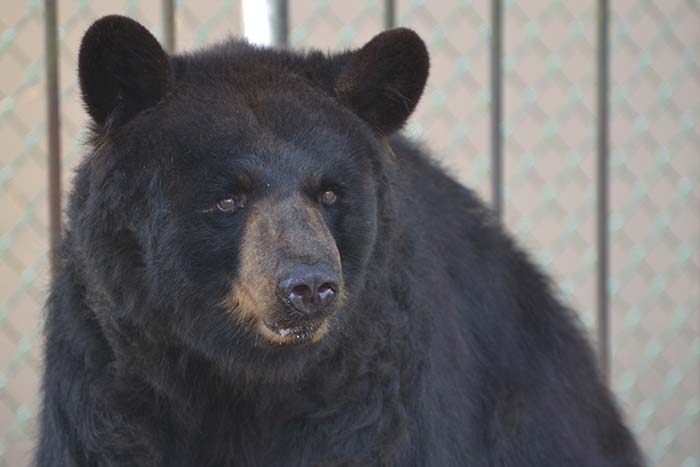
pixel 357 234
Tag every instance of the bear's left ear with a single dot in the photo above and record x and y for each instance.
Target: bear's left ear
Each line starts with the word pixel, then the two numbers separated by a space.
pixel 122 69
pixel 384 80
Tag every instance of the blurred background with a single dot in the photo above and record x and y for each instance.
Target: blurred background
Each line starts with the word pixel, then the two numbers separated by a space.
pixel 517 118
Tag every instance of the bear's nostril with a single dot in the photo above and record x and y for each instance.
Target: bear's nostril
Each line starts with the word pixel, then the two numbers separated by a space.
pixel 301 296
pixel 326 294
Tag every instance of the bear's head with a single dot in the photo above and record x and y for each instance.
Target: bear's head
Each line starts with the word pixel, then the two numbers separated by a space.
pixel 234 199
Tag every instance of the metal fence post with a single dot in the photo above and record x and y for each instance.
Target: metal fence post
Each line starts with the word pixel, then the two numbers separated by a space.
pixel 496 108
pixel 602 181
pixel 53 123
pixel 280 22
pixel 169 25
pixel 389 14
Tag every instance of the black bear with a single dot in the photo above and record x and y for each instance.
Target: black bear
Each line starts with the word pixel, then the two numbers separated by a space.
pixel 258 270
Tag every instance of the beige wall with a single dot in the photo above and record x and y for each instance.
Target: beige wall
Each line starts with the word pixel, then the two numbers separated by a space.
pixel 549 118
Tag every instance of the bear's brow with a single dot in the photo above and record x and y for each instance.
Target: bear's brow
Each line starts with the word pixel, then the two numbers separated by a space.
pixel 236 163
pixel 227 166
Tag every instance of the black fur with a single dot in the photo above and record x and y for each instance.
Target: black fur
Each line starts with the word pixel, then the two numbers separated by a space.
pixel 450 350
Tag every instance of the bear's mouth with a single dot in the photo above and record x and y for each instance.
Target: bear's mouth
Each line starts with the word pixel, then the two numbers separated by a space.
pixel 282 333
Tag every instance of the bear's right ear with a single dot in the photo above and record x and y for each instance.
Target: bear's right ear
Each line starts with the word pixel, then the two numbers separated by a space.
pixel 122 69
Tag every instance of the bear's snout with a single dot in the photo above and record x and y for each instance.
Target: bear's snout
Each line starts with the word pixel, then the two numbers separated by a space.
pixel 290 280
pixel 309 289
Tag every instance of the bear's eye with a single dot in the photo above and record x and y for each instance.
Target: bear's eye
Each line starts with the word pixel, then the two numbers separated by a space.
pixel 231 203
pixel 328 197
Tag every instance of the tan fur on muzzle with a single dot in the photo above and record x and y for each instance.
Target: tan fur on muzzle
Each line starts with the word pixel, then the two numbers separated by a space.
pixel 279 234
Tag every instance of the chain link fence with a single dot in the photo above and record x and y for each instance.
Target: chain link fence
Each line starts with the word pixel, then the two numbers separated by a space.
pixel 549 117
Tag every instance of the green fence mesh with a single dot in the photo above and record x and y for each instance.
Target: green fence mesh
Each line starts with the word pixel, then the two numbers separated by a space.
pixel 655 142
pixel 23 223
pixel 549 156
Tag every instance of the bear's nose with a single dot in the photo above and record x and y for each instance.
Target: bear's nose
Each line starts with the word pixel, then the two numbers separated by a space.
pixel 310 289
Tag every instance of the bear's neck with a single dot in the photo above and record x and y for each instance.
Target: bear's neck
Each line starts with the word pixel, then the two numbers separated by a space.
pixel 366 386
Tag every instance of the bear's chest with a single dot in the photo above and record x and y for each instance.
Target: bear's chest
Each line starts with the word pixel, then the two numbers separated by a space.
pixel 362 433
